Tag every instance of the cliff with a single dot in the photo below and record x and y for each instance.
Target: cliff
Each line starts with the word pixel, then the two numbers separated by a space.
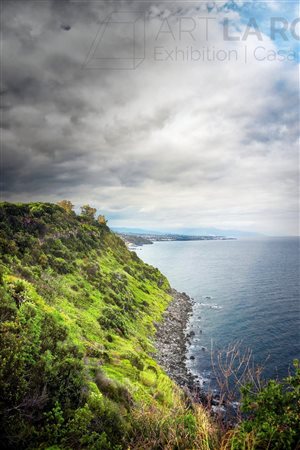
pixel 77 323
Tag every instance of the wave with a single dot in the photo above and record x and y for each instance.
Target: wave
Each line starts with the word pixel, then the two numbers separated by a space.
pixel 210 306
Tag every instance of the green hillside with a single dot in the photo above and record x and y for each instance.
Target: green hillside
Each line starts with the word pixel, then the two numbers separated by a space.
pixel 77 314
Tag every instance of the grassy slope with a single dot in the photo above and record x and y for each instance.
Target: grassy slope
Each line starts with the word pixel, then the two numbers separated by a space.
pixel 77 313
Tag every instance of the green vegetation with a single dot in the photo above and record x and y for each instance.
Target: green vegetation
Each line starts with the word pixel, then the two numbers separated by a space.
pixel 77 317
pixel 77 311
pixel 272 415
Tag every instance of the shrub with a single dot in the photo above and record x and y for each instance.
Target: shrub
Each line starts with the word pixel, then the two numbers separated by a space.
pixel 108 419
pixel 272 415
pixel 60 265
pixel 113 318
pixel 66 205
pixel 17 290
pixel 112 389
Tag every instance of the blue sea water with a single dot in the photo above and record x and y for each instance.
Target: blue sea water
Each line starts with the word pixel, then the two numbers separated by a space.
pixel 244 290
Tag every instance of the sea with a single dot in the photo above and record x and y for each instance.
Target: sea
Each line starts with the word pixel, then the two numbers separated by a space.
pixel 246 293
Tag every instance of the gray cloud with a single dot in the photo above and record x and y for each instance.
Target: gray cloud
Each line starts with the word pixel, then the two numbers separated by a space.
pixel 168 143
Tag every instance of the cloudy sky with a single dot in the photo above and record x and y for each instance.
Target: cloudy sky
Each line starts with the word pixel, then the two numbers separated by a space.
pixel 160 114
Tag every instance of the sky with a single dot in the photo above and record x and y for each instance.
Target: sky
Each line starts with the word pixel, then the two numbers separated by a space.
pixel 159 114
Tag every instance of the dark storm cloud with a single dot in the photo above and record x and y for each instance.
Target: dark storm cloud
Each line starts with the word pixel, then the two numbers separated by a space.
pixel 149 141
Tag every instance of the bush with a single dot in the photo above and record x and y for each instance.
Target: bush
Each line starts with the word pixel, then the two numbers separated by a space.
pixel 108 418
pixel 17 290
pixel 60 265
pixel 273 415
pixel 112 389
pixel 113 318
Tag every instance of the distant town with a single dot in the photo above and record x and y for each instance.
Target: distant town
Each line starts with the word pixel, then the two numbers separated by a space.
pixel 136 240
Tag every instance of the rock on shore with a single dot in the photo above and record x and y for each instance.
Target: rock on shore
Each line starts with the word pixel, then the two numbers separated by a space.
pixel 171 341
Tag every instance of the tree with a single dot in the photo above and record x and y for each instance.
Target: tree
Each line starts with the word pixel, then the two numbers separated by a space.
pixel 101 219
pixel 66 205
pixel 88 212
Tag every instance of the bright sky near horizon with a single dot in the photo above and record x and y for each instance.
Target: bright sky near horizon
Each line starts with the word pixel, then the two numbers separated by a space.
pixel 160 114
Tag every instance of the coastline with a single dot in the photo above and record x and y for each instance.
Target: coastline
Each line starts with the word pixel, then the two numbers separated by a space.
pixel 171 342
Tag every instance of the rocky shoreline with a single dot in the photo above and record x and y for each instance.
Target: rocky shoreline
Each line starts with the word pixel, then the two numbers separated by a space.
pixel 171 342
